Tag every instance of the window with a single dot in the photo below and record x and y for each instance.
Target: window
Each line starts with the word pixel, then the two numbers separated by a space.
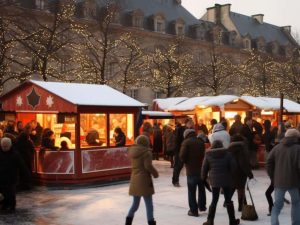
pixel 63 65
pixel 137 22
pixel 134 93
pixel 123 122
pixel 180 30
pixel 247 44
pixel 159 26
pixel 40 4
pixel 93 131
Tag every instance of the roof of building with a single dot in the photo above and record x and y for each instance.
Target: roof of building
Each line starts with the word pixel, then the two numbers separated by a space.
pixel 248 25
pixel 88 94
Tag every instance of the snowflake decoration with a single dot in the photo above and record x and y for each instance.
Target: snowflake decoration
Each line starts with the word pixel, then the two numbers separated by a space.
pixel 19 101
pixel 49 101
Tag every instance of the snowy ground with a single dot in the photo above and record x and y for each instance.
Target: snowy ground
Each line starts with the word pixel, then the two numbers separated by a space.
pixel 109 205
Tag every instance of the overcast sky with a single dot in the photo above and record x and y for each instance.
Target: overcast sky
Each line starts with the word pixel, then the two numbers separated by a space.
pixel 277 12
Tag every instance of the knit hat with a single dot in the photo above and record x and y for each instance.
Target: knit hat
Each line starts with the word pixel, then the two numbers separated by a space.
pixel 292 133
pixel 142 140
pixel 187 132
pixel 6 144
pixel 287 124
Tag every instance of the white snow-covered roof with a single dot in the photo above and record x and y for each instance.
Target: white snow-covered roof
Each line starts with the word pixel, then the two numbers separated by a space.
pixel 156 114
pixel 267 103
pixel 203 102
pixel 165 103
pixel 88 94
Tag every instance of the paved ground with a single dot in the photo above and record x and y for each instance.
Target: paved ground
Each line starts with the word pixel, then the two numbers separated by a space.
pixel 109 205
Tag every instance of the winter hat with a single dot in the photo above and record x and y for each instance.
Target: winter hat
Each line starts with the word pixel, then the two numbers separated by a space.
pixel 142 140
pixel 292 133
pixel 218 127
pixel 6 144
pixel 287 124
pixel 187 132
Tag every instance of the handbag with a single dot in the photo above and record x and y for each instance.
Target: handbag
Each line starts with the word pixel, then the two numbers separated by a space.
pixel 249 211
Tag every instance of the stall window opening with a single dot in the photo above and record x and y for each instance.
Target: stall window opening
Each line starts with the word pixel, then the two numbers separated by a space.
pixel 121 130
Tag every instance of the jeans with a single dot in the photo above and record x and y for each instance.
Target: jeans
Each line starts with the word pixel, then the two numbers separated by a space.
pixel 278 204
pixel 193 182
pixel 216 193
pixel 178 165
pixel 136 203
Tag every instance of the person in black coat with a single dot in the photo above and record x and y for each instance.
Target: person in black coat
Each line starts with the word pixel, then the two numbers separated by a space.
pixel 11 164
pixel 120 137
pixel 157 141
pixel 243 170
pixel 26 150
pixel 48 141
pixel 36 133
pixel 219 164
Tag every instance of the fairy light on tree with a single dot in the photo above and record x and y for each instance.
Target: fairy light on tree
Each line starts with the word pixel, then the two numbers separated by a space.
pixel 50 40
pixel 129 58
pixel 259 75
pixel 100 43
pixel 168 68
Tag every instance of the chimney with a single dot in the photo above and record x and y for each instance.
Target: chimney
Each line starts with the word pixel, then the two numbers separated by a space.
pixel 259 18
pixel 286 29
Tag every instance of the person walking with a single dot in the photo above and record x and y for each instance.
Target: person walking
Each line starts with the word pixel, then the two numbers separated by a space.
pixel 141 184
pixel 283 167
pixel 11 165
pixel 178 165
pixel 192 154
pixel 157 141
pixel 219 164
pixel 237 126
pixel 243 169
pixel 219 133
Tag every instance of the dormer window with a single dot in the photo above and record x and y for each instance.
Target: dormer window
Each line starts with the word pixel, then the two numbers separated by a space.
pixel 90 10
pixel 159 23
pixel 40 4
pixel 137 18
pixel 179 27
pixel 247 44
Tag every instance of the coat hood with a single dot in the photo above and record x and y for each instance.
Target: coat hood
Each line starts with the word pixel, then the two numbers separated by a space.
pixel 217 152
pixel 236 146
pixel 137 151
pixel 218 127
pixel 289 141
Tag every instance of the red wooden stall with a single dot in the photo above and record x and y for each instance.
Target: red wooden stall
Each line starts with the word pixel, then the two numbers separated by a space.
pixel 76 110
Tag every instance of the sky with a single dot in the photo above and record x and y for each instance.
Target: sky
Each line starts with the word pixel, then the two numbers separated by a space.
pixel 277 12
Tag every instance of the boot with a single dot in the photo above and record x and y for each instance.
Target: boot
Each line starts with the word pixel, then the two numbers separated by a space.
pixel 128 220
pixel 211 215
pixel 152 222
pixel 241 199
pixel 230 211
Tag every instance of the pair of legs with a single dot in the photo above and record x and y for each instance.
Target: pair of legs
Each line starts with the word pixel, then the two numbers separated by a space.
pixel 194 183
pixel 229 206
pixel 9 194
pixel 178 165
pixel 268 194
pixel 136 204
pixel 241 197
pixel 279 201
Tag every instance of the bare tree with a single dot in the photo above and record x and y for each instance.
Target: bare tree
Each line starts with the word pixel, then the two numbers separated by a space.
pixel 215 76
pixel 99 45
pixel 168 68
pixel 130 62
pixel 50 40
pixel 260 75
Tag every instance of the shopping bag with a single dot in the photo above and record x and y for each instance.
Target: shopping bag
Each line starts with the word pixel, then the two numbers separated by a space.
pixel 249 211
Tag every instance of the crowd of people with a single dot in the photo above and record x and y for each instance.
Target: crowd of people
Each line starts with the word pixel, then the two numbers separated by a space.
pixel 220 159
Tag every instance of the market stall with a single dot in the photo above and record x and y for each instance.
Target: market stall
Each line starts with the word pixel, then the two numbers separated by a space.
pixel 85 117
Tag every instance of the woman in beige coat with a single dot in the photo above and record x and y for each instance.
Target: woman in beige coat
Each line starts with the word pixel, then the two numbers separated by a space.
pixel 141 184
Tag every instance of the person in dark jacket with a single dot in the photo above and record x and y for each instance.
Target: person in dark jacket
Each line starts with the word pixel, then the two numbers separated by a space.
pixel 283 167
pixel 141 184
pixel 243 170
pixel 237 126
pixel 36 133
pixel 48 141
pixel 169 143
pixel 192 154
pixel 219 164
pixel 10 165
pixel 26 150
pixel 248 134
pixel 157 141
pixel 178 165
pixel 120 137
pixel 202 127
